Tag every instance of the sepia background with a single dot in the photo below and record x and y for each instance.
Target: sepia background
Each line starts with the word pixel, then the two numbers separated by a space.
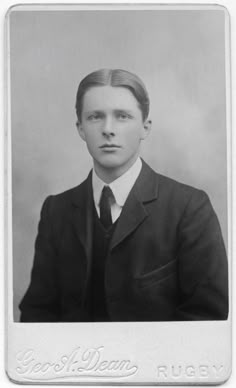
pixel 180 57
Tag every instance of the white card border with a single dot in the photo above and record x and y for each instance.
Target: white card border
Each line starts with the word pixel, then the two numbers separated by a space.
pixel 15 330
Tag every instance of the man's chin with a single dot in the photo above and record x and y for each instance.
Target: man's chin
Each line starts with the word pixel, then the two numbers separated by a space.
pixel 111 165
pixel 114 161
pixel 109 160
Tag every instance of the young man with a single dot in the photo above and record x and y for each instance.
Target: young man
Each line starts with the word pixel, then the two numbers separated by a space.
pixel 127 244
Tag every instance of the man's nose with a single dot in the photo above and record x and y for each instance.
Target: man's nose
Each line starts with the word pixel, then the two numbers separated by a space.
pixel 108 127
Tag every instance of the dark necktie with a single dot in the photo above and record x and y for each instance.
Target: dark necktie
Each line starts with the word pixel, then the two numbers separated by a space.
pixel 107 198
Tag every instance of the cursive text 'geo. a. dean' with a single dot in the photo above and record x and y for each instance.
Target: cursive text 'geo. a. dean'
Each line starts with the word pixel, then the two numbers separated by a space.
pixel 79 363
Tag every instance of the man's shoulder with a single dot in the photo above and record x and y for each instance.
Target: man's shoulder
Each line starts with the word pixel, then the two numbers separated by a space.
pixel 174 188
pixel 68 193
pixel 74 195
pixel 177 185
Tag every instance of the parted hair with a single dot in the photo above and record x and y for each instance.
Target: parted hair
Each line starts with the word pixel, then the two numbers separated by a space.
pixel 115 78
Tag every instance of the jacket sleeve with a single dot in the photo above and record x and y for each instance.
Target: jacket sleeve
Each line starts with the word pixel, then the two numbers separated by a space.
pixel 41 301
pixel 203 267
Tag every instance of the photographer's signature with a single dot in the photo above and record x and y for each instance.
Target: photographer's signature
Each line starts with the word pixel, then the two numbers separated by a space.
pixel 79 363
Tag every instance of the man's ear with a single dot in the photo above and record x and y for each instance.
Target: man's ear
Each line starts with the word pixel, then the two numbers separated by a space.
pixel 80 130
pixel 147 126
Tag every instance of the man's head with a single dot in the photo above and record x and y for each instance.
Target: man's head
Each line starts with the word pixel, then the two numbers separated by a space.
pixel 112 107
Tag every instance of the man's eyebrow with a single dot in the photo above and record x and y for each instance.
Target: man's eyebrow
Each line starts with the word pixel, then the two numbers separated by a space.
pixel 94 111
pixel 100 111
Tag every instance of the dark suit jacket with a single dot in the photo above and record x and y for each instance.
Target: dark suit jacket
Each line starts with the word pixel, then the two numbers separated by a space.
pixel 166 260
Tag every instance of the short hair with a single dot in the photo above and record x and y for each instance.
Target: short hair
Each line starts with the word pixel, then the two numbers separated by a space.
pixel 115 78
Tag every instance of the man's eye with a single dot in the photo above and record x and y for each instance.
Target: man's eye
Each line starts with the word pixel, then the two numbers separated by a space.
pixel 122 116
pixel 94 117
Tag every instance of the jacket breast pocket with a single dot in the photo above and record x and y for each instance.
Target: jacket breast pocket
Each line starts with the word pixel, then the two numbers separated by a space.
pixel 158 275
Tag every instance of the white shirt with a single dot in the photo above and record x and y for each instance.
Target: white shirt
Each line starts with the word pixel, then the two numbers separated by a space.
pixel 120 187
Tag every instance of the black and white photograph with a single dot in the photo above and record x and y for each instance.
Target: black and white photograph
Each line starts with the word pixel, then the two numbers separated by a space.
pixel 119 172
pixel 127 244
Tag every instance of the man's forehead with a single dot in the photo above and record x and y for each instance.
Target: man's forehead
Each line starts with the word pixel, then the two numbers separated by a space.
pixel 109 97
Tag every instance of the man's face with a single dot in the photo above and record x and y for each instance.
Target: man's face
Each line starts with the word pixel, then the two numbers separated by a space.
pixel 112 127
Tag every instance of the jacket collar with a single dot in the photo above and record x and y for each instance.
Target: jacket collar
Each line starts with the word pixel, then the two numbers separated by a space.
pixel 146 185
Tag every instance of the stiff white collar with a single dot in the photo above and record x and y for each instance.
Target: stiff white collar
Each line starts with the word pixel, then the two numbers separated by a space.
pixel 120 186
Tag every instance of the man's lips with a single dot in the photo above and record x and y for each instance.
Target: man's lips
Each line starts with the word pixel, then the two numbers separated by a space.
pixel 109 146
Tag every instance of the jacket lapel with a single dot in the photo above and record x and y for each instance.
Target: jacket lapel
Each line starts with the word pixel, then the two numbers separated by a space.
pixel 134 212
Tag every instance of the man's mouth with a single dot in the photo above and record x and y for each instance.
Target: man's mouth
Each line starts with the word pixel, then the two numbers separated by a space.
pixel 109 146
